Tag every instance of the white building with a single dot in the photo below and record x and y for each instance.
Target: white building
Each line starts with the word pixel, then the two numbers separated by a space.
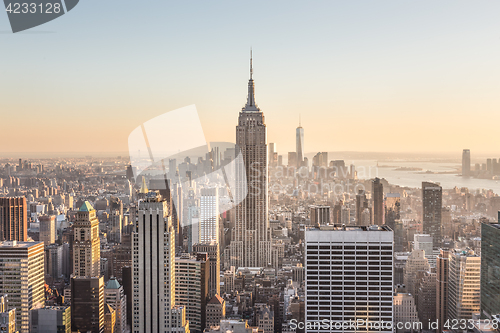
pixel 405 313
pixel 349 276
pixel 209 216
pixel 25 262
pixel 153 259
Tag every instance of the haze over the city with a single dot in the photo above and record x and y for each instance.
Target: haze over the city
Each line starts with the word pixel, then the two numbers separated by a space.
pixel 382 76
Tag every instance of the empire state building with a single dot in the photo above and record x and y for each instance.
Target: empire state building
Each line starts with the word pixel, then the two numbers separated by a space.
pixel 251 241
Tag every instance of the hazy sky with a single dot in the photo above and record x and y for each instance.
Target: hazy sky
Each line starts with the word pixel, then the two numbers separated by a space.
pixel 365 75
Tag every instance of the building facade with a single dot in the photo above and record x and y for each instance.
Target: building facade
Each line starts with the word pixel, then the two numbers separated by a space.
pixel 13 219
pixel 432 197
pixel 490 270
pixel 349 276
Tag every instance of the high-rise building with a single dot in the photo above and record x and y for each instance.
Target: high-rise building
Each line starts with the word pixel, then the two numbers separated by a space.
pixel 115 227
pixel 191 288
pixel 299 144
pixel 416 266
pixel 51 319
pixel 212 249
pixel 405 311
pixel 349 277
pixel 464 285
pixel 153 275
pixel 392 209
pixel 22 278
pixel 442 276
pixel 209 216
pixel 425 242
pixel 86 243
pixel 251 244
pixel 47 229
pixel 320 215
pixel 114 295
pixel 273 154
pixel 13 219
pixel 87 304
pixel 490 270
pixel 466 163
pixel 7 316
pixel 426 298
pixel 292 159
pixel 432 203
pixel 54 259
pixel 361 205
pixel 378 201
pixel 216 311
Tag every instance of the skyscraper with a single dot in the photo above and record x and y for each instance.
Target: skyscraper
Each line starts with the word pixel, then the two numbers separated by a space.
pixel 344 265
pixel 299 144
pixel 191 288
pixel 464 285
pixel 47 229
pixel 320 215
pixel 7 316
pixel 209 216
pixel 466 163
pixel 251 244
pixel 13 219
pixel 153 260
pixel 212 249
pixel 392 209
pixel 87 304
pixel 87 284
pixel 114 295
pixel 378 201
pixel 442 276
pixel 432 203
pixel 86 244
pixel 490 270
pixel 22 278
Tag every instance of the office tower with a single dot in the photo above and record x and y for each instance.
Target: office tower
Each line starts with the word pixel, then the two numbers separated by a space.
pixel 209 215
pixel 442 276
pixel 7 317
pixel 320 215
pixel 51 319
pixel 86 244
pixel 378 201
pixel 466 163
pixel 464 284
pixel 349 276
pixel 425 242
pixel 109 319
pixel 127 288
pixel 273 155
pixel 47 229
pixel 191 288
pixel 54 256
pixel 426 298
pixel 22 278
pixel 87 304
pixel 361 205
pixel 114 295
pixel 416 265
pixel 299 144
pixel 405 311
pixel 251 245
pixel 446 223
pixel 392 209
pixel 292 159
pixel 115 227
pixel 172 168
pixel 490 270
pixel 320 159
pixel 154 268
pixel 216 311
pixel 212 249
pixel 13 219
pixel 432 204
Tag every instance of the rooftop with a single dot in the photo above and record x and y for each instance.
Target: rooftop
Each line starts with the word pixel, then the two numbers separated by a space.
pixel 86 207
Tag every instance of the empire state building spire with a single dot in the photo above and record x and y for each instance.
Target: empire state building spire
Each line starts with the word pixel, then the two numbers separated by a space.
pixel 251 106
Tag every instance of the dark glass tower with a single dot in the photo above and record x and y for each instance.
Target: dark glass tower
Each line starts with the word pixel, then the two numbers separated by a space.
pixel 432 197
pixel 490 270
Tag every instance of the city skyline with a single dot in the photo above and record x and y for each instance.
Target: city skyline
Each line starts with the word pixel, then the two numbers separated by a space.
pixel 402 76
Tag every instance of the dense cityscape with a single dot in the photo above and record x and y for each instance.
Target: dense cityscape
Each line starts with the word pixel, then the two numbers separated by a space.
pixel 295 244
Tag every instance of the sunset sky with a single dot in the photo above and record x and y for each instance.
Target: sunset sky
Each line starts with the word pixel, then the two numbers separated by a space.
pixel 395 76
